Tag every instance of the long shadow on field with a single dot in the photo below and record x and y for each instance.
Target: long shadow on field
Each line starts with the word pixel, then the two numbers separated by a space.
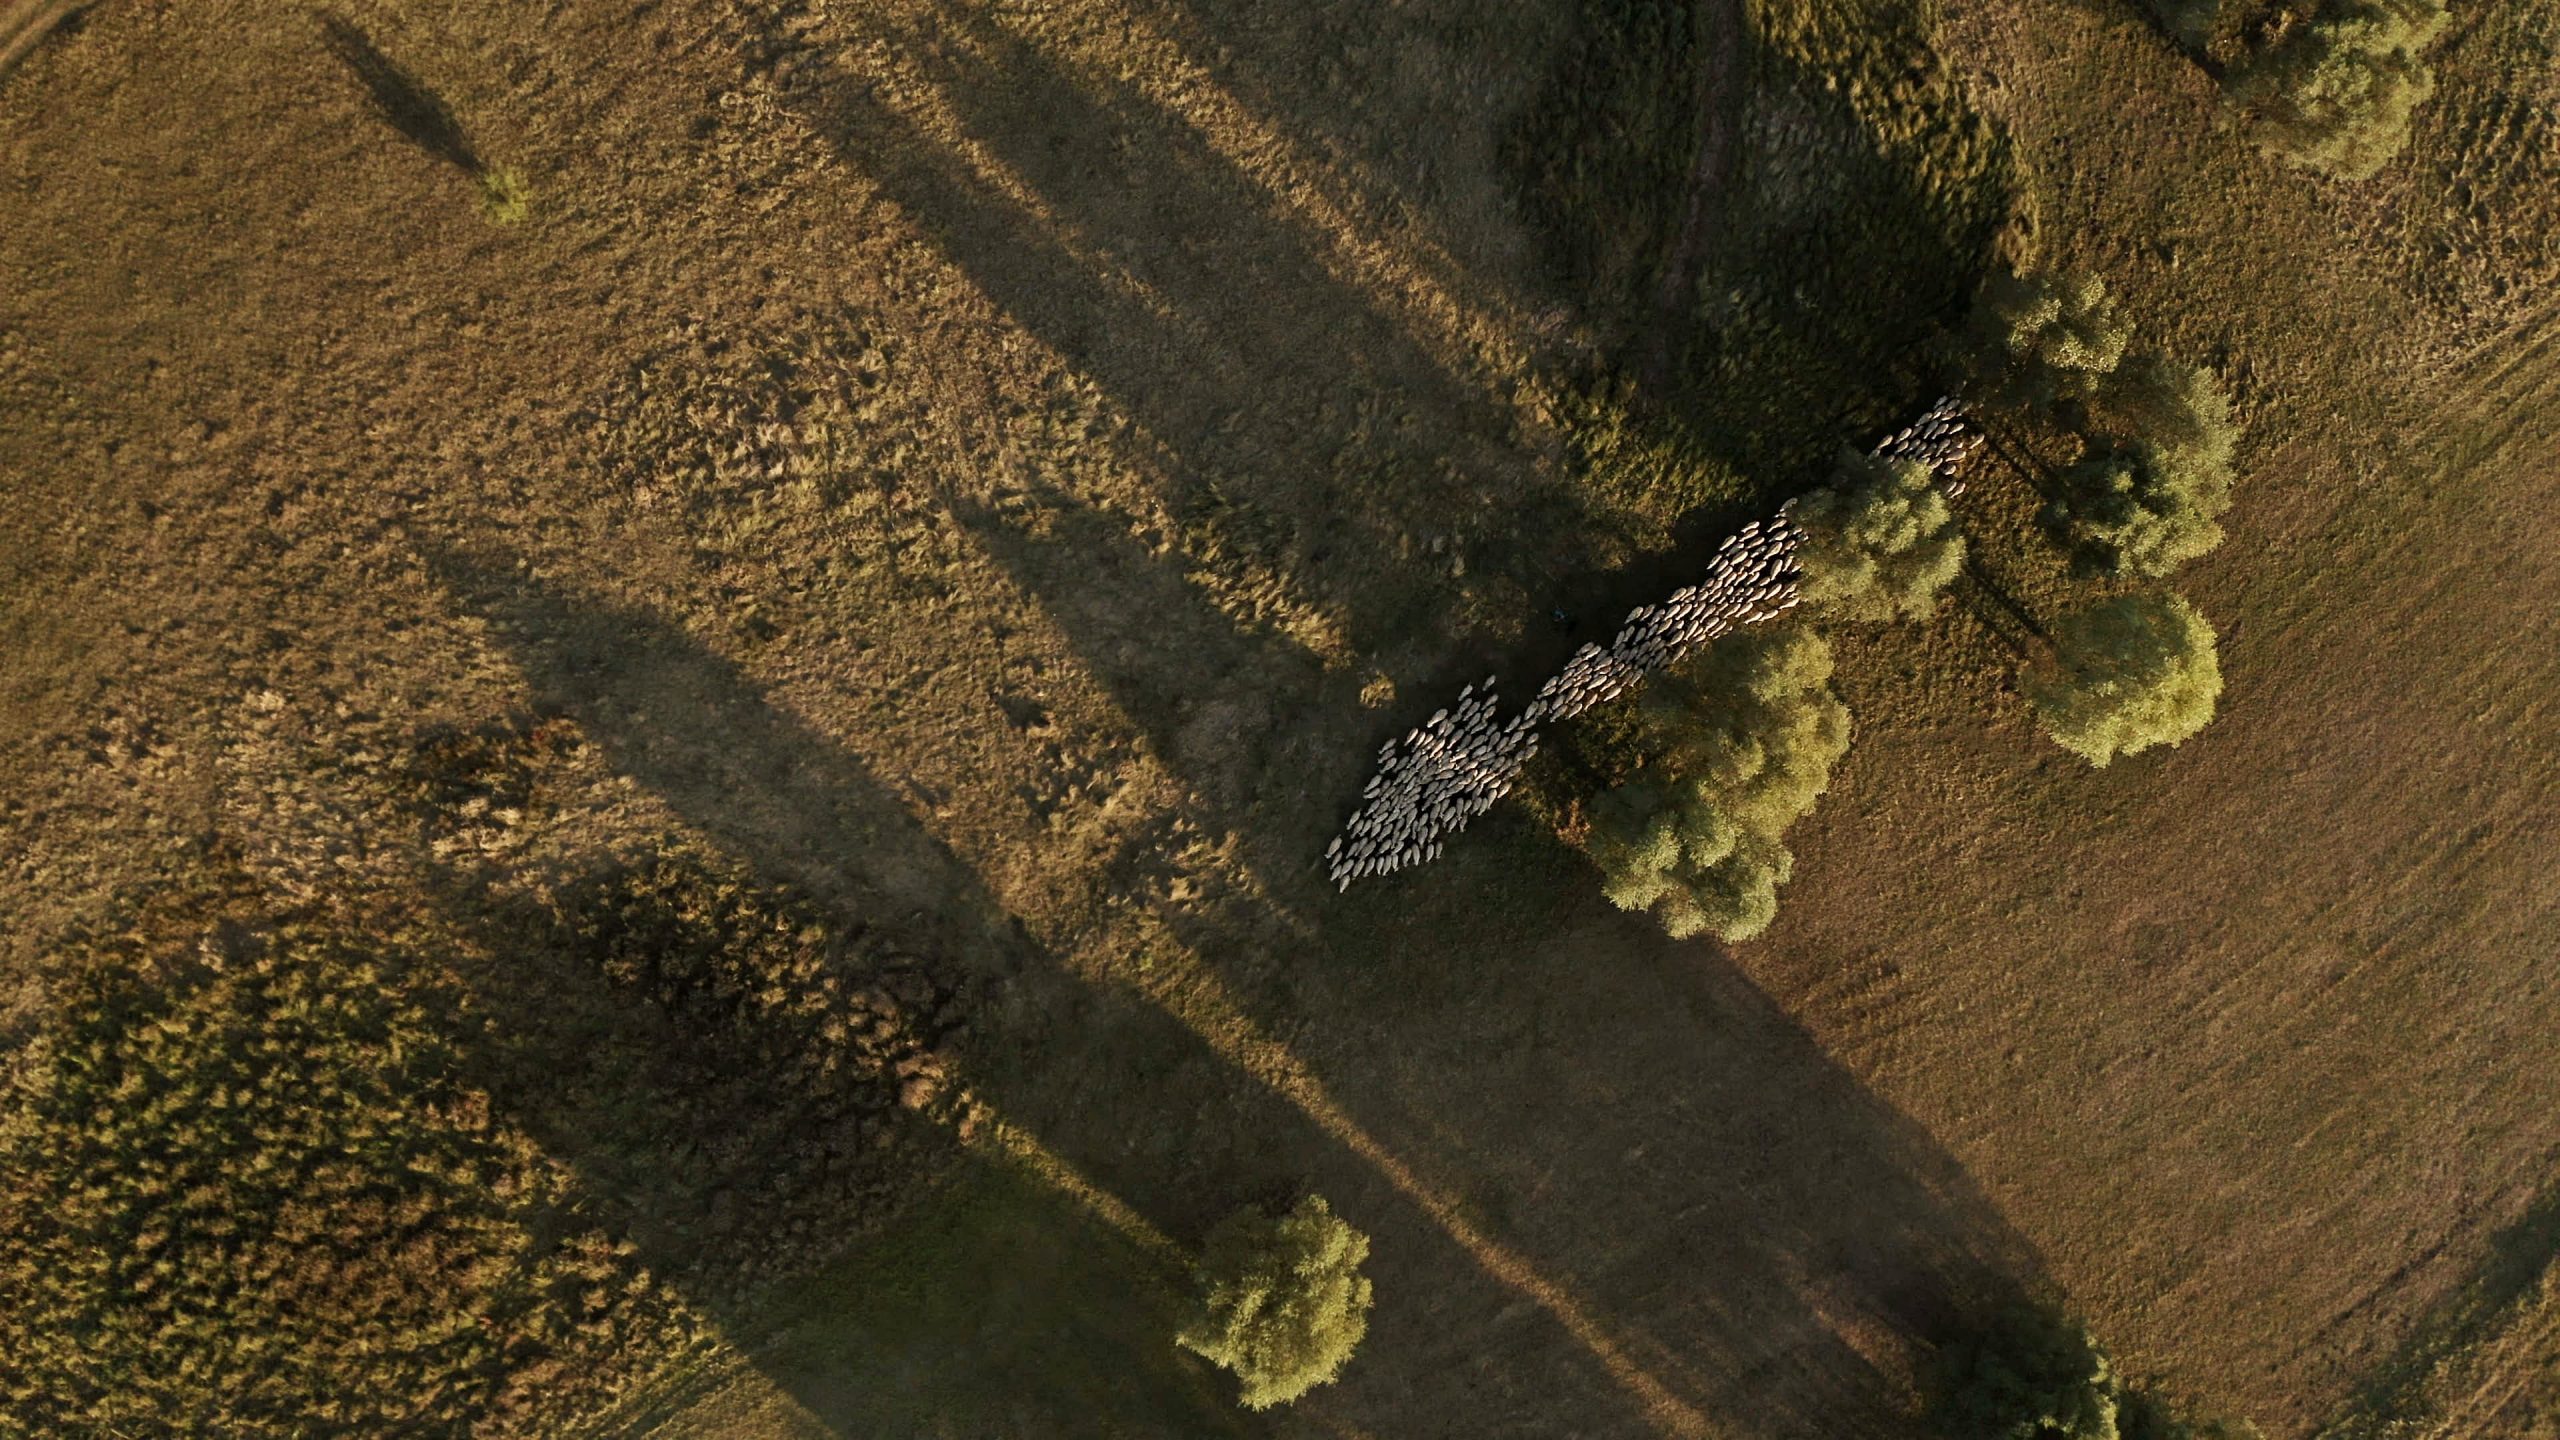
pixel 1627 1121
pixel 406 105
pixel 1277 392
pixel 630 1057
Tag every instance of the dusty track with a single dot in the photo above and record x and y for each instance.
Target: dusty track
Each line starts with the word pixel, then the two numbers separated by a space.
pixel 23 23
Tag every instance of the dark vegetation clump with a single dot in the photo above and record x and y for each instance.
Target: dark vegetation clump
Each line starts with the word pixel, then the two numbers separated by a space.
pixel 2034 1373
pixel 252 1183
pixel 1280 1299
pixel 2329 85
pixel 2335 91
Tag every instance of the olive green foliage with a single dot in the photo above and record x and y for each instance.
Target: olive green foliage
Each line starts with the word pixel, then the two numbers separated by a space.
pixel 504 197
pixel 1281 1299
pixel 2033 1373
pixel 2125 674
pixel 2158 479
pixel 1743 739
pixel 248 1187
pixel 2039 339
pixel 1880 541
pixel 2336 92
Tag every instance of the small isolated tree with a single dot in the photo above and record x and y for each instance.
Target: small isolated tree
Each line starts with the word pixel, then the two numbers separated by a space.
pixel 2336 92
pixel 1880 542
pixel 1281 1302
pixel 2034 1373
pixel 2125 674
pixel 2036 340
pixel 1745 739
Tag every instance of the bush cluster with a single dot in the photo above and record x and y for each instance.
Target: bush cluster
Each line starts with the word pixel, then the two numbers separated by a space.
pixel 2150 493
pixel 2335 93
pixel 252 1188
pixel 1743 739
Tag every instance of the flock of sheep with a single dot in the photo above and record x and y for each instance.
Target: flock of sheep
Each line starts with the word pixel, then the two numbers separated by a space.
pixel 1454 766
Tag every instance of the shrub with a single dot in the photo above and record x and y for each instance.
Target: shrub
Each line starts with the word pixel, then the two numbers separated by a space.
pixel 2035 340
pixel 2125 674
pixel 1744 738
pixel 2138 511
pixel 504 197
pixel 1282 1302
pixel 2032 1374
pixel 2157 476
pixel 2336 93
pixel 1881 542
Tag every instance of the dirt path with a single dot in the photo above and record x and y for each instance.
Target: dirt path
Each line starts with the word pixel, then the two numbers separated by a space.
pixel 1719 103
pixel 24 22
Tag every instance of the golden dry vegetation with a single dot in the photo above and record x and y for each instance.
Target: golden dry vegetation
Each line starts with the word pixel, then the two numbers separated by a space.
pixel 807 676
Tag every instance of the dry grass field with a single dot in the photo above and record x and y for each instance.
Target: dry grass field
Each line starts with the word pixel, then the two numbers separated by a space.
pixel 814 669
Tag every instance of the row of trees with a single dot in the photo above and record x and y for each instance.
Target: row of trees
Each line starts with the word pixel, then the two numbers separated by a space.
pixel 2127 671
pixel 2330 86
pixel 1740 742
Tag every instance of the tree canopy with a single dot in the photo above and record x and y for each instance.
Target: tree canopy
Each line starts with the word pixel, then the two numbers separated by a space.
pixel 2150 493
pixel 2336 92
pixel 1281 1300
pixel 2040 339
pixel 2125 674
pixel 2034 1373
pixel 1880 542
pixel 1745 738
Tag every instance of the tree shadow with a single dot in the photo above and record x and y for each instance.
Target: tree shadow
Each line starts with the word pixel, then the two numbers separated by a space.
pixel 406 105
pixel 1650 1135
pixel 1772 1241
pixel 1111 230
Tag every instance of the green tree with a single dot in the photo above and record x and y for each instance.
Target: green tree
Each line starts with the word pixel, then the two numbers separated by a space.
pixel 1880 542
pixel 2036 340
pixel 1281 1300
pixel 2165 404
pixel 2148 496
pixel 2125 674
pixel 1742 743
pixel 2336 92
